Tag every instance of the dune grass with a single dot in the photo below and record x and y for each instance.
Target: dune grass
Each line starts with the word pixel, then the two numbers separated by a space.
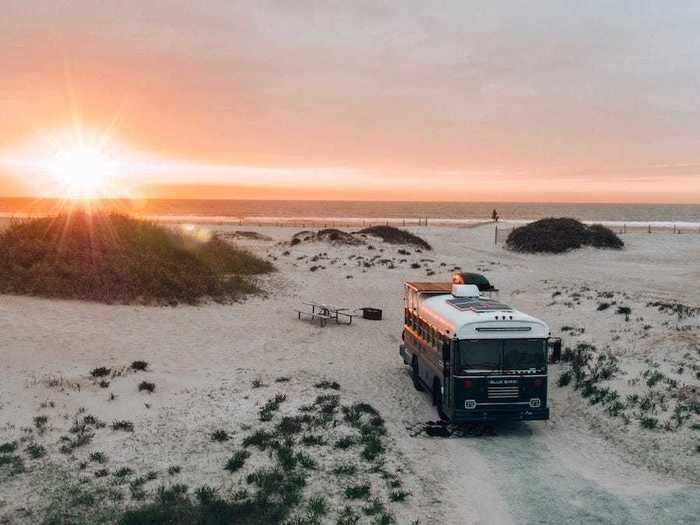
pixel 558 235
pixel 396 236
pixel 114 258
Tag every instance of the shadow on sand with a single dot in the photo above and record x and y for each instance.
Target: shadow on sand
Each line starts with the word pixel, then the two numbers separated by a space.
pixel 445 429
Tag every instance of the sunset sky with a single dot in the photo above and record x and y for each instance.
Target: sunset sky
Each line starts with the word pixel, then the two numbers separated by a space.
pixel 405 100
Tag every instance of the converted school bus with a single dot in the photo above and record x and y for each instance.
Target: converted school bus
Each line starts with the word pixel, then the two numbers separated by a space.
pixel 480 359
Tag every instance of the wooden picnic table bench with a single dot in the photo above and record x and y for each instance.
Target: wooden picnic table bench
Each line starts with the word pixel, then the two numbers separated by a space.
pixel 323 318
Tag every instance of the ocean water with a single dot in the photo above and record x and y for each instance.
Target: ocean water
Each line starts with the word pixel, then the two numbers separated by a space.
pixel 683 215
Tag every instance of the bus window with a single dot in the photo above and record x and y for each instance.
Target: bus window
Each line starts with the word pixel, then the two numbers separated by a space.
pixel 524 354
pixel 483 354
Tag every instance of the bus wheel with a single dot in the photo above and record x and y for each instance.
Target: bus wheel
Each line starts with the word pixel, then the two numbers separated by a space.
pixel 437 400
pixel 415 376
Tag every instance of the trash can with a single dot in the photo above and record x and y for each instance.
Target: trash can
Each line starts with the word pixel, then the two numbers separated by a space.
pixel 373 314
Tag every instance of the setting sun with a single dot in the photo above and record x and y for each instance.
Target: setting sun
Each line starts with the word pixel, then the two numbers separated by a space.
pixel 83 171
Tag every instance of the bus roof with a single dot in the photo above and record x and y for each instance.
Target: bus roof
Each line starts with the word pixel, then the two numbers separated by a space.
pixel 472 318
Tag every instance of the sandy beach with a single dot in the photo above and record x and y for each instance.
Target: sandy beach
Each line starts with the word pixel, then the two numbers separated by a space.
pixel 582 466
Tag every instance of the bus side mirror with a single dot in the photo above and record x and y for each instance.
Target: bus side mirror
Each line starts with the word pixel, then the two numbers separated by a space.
pixel 554 349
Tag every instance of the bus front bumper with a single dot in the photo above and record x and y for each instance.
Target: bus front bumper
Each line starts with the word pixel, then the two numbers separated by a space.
pixel 505 413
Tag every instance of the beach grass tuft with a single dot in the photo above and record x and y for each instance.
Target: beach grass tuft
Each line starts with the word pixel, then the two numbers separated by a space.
pixel 113 258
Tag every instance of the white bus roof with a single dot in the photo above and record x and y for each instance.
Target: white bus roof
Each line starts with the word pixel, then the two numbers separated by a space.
pixel 472 317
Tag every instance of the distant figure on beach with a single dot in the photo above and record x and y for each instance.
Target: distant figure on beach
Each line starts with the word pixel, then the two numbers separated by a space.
pixel 494 215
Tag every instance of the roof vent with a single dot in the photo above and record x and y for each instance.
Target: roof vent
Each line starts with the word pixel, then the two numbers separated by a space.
pixel 465 290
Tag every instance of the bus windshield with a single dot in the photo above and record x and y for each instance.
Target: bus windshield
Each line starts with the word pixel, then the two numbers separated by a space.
pixel 501 354
pixel 480 355
pixel 523 354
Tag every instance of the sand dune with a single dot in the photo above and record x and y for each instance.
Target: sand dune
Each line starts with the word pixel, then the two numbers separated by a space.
pixel 581 466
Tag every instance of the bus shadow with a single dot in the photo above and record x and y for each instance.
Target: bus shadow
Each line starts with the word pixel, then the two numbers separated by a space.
pixel 445 429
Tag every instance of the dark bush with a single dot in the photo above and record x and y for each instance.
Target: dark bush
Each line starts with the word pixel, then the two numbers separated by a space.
pixel 564 378
pixel 123 425
pixel 139 366
pixel 558 235
pixel 101 371
pixel 602 237
pixel 396 236
pixel 236 462
pixel 110 258
pixel 219 436
pixel 147 387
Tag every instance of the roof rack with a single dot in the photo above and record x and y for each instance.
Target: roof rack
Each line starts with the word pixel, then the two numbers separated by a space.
pixel 425 287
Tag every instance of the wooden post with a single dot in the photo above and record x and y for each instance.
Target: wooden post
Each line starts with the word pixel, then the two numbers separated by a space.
pixel 624 228
pixel 674 228
pixel 650 228
pixel 495 236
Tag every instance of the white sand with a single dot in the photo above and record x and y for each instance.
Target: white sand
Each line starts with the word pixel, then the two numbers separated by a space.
pixel 582 466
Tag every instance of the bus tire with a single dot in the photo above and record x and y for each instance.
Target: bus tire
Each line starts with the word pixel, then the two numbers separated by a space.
pixel 415 376
pixel 437 400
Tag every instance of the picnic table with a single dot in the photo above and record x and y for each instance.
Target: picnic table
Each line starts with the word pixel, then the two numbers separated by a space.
pixel 326 312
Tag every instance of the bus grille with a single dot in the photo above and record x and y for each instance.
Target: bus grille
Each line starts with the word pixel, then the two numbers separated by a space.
pixel 503 392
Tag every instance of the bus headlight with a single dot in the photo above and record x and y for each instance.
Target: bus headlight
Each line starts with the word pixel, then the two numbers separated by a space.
pixel 535 402
pixel 470 404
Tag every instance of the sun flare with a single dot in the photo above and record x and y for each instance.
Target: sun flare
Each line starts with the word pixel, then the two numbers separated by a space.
pixel 82 170
pixel 74 163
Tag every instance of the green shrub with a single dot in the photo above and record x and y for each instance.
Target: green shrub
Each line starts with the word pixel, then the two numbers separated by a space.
pixel 361 491
pixel 312 440
pixel 602 237
pixel 289 425
pixel 649 422
pixel 624 310
pixel 348 517
pixel 261 439
pixel 107 257
pixel 271 406
pixel 328 385
pixel 146 386
pixel 286 458
pixel 98 457
pixel 565 378
pixel 317 506
pixel 9 447
pixel 558 235
pixel 126 426
pixel 220 436
pixel 100 371
pixel 399 495
pixel 345 442
pixel 36 451
pixel 236 462
pixel 139 366
pixel 346 469
pixel 392 235
pixel 123 472
pixel 306 461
